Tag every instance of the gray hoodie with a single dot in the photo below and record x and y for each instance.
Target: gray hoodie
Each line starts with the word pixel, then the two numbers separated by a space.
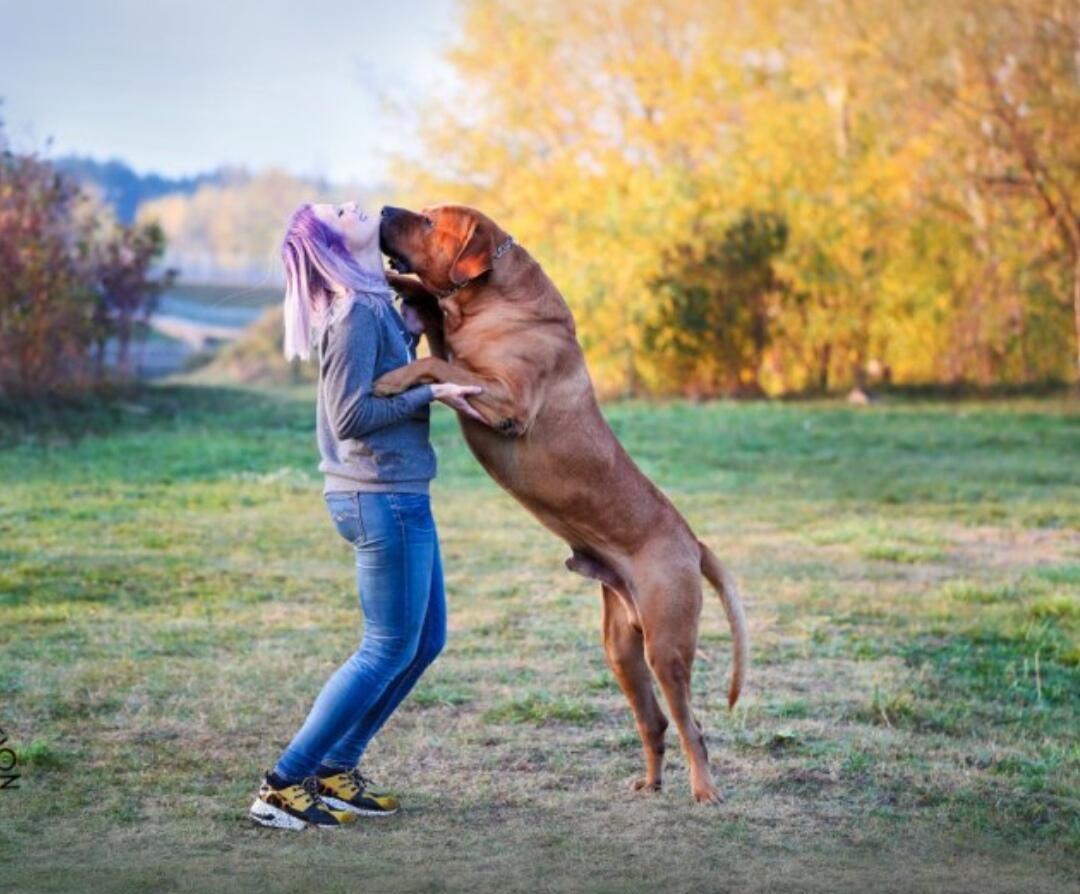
pixel 370 443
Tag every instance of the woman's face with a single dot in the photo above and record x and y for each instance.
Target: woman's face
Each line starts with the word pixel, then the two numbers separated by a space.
pixel 359 229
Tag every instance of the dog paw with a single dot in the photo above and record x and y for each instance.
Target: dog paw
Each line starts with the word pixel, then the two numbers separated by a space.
pixel 708 795
pixel 645 785
pixel 385 386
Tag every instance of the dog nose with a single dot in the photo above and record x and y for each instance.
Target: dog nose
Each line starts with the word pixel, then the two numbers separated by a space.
pixel 388 211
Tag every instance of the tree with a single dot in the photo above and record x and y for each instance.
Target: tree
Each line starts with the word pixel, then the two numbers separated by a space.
pixel 715 325
pixel 70 277
pixel 923 157
pixel 1005 74
pixel 46 297
pixel 127 292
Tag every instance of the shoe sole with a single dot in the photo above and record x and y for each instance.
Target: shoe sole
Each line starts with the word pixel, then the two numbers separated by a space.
pixel 338 804
pixel 275 818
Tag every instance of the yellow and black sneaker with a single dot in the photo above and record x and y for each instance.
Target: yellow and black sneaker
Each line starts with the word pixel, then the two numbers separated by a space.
pixel 295 807
pixel 348 790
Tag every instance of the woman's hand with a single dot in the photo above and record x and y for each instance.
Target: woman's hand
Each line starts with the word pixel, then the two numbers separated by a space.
pixel 454 396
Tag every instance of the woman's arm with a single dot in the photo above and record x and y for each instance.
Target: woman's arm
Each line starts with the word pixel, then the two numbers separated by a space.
pixel 348 365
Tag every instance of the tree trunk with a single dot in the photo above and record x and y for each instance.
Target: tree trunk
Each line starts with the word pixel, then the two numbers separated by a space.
pixel 1076 311
pixel 824 358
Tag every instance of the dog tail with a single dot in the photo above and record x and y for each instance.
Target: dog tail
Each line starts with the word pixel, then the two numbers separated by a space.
pixel 729 596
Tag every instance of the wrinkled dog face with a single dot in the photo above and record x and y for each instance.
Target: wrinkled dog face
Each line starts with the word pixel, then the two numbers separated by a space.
pixel 444 245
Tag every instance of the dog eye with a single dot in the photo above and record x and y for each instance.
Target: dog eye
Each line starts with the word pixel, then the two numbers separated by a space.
pixel 428 222
pixel 340 212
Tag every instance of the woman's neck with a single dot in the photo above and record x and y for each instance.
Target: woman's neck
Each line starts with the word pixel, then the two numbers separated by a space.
pixel 370 262
pixel 369 274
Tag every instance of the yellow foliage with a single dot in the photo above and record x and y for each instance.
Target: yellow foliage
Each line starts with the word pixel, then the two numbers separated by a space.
pixel 608 134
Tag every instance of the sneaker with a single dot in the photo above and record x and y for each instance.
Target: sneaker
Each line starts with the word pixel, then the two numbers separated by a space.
pixel 295 807
pixel 348 790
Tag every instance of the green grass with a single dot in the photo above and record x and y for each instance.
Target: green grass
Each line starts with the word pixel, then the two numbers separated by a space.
pixel 172 596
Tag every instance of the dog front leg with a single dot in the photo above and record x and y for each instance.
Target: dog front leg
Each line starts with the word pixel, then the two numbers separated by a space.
pixel 501 409
pixel 433 328
pixel 414 294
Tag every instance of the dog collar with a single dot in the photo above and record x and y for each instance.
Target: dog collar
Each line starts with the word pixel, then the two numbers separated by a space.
pixel 498 253
pixel 503 249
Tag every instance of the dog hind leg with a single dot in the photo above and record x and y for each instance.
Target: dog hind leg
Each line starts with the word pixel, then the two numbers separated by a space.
pixel 625 654
pixel 669 650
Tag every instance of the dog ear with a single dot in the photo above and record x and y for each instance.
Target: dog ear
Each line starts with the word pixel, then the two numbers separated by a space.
pixel 476 254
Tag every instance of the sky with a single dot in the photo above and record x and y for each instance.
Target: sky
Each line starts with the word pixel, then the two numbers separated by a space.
pixel 184 86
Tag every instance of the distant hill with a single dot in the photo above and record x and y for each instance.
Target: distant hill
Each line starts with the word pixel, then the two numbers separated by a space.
pixel 125 190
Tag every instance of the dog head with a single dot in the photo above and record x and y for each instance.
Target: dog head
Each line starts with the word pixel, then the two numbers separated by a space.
pixel 446 246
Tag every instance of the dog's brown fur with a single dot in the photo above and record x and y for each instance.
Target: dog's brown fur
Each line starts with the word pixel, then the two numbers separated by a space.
pixel 503 325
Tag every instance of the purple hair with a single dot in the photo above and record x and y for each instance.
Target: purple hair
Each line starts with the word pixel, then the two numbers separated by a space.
pixel 322 279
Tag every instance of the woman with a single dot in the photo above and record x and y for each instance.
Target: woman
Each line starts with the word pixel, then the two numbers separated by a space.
pixel 377 461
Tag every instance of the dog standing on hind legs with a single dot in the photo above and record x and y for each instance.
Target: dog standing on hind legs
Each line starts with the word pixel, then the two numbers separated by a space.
pixel 494 319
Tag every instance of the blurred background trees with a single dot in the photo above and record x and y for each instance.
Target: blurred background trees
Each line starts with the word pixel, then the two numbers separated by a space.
pixel 46 287
pixel 229 228
pixel 126 287
pixel 716 303
pixel 785 195
pixel 71 277
pixel 736 197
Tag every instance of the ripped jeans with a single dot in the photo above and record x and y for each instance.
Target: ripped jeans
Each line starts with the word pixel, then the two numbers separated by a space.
pixel 400 582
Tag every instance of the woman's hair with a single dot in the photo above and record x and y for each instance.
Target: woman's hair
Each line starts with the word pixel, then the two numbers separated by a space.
pixel 322 280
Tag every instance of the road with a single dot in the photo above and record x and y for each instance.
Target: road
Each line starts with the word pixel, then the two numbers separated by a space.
pixel 181 328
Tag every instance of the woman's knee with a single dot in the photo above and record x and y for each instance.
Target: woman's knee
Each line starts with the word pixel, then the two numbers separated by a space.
pixel 388 654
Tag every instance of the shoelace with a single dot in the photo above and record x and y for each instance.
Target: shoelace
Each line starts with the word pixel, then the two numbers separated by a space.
pixel 310 788
pixel 358 780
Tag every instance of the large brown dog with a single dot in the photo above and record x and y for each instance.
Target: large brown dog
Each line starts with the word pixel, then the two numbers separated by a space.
pixel 494 319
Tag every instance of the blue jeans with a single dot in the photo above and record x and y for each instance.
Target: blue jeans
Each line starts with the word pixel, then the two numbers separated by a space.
pixel 400 582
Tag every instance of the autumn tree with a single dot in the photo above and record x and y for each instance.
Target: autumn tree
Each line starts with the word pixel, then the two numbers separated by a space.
pixel 922 156
pixel 717 307
pixel 1005 77
pixel 46 295
pixel 126 284
pixel 70 278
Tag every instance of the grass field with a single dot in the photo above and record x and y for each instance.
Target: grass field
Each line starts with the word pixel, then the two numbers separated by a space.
pixel 172 596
